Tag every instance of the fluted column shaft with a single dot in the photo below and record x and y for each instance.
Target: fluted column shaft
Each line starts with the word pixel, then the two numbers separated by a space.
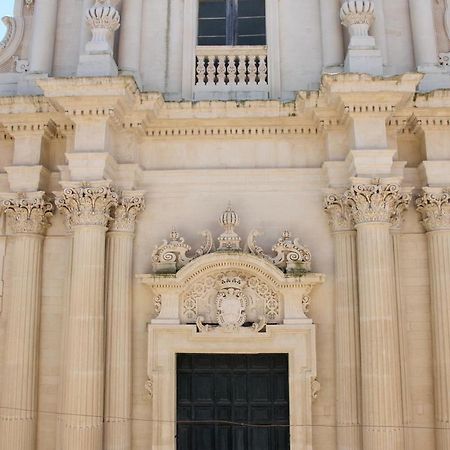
pixel 81 418
pixel 130 37
pixel 119 254
pixel 375 206
pixel 43 38
pixel 19 389
pixel 424 33
pixel 347 353
pixel 348 378
pixel 332 35
pixel 435 208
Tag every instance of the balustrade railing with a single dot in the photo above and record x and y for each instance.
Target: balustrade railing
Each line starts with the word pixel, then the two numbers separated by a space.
pixel 225 69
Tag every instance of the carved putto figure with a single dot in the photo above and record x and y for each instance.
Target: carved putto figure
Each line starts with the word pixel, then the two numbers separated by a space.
pixel 290 256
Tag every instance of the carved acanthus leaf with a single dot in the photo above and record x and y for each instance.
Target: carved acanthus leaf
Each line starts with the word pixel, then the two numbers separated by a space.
pixel 434 206
pixel 125 213
pixel 339 212
pixel 28 215
pixel 376 202
pixel 87 204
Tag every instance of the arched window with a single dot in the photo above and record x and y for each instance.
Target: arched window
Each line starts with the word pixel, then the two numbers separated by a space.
pixel 232 22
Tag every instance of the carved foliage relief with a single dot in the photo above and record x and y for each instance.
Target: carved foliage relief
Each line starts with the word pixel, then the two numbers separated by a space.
pixel 214 297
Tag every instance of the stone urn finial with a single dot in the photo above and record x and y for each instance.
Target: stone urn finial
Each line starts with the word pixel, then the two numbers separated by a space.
pixel 229 239
pixel 358 16
pixel 103 19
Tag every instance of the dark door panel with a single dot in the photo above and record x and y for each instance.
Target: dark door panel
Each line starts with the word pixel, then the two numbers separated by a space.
pixel 232 402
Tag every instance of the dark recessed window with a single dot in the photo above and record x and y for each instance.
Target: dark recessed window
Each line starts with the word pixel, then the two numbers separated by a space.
pixel 232 22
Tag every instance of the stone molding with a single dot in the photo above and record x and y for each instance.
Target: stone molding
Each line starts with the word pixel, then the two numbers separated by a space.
pixel 376 201
pixel 130 204
pixel 339 212
pixel 28 215
pixel 434 206
pixel 87 204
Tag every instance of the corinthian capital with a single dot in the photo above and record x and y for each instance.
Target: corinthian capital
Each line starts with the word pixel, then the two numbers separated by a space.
pixel 124 215
pixel 339 212
pixel 87 204
pixel 434 205
pixel 28 215
pixel 376 201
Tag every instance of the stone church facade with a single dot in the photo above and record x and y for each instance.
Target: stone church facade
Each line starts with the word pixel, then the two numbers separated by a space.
pixel 225 224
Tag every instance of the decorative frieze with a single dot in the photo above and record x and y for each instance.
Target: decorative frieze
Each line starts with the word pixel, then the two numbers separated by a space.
pixel 339 212
pixel 376 202
pixel 130 204
pixel 87 204
pixel 434 206
pixel 28 215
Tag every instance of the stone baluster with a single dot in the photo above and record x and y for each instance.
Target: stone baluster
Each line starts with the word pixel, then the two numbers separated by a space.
pixel 86 207
pixel 28 219
pixel 130 38
pixel 42 41
pixel 221 70
pixel 348 376
pixel 211 71
pixel 424 34
pixel 119 256
pixel 434 205
pixel 375 205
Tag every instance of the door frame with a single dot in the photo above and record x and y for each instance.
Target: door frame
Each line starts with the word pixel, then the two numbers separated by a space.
pixel 165 341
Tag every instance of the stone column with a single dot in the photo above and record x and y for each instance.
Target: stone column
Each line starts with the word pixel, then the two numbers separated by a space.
pixel 81 421
pixel 43 37
pixel 28 218
pixel 332 36
pixel 130 38
pixel 375 204
pixel 119 255
pixel 434 205
pixel 348 376
pixel 424 33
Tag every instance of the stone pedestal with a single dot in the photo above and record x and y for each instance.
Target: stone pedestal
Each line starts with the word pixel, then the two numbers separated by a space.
pixel 348 375
pixel 18 413
pixel 375 206
pixel 82 403
pixel 119 255
pixel 434 205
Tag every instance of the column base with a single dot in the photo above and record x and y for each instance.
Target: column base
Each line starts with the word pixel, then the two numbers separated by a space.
pixel 97 66
pixel 368 61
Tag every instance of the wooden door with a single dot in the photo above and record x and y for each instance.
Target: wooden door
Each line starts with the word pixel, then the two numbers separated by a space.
pixel 232 402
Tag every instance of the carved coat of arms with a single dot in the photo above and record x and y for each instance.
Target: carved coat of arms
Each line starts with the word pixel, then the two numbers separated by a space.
pixel 231 303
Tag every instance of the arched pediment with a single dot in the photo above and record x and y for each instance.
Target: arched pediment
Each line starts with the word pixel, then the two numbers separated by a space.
pixel 230 287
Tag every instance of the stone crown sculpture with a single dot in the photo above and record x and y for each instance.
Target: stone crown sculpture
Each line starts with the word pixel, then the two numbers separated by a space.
pixel 290 255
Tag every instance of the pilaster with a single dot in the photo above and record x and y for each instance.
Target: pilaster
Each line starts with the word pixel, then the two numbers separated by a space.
pixel 87 208
pixel 434 206
pixel 119 257
pixel 375 206
pixel 348 375
pixel 28 217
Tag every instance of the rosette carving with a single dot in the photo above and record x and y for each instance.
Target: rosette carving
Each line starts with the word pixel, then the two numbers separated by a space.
pixel 434 206
pixel 28 215
pixel 125 213
pixel 376 202
pixel 339 212
pixel 87 204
